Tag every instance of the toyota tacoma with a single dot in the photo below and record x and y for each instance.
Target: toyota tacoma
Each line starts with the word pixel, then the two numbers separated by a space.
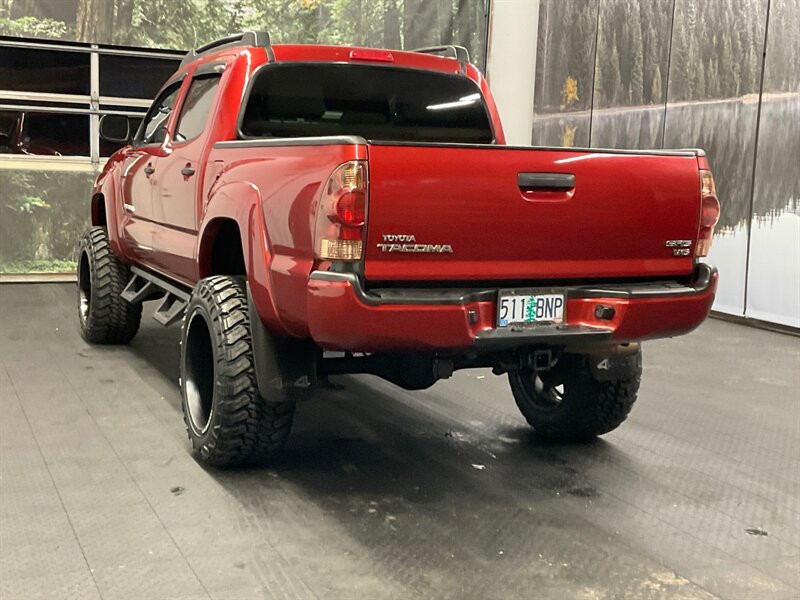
pixel 309 210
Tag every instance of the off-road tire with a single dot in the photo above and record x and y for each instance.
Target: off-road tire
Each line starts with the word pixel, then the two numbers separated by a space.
pixel 586 406
pixel 227 421
pixel 104 316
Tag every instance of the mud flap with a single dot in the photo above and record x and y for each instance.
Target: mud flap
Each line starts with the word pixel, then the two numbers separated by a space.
pixel 615 367
pixel 286 368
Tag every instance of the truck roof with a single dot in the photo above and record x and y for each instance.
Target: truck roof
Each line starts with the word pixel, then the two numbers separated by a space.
pixel 448 58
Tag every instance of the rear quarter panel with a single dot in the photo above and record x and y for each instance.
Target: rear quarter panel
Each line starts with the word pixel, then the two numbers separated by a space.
pixel 272 192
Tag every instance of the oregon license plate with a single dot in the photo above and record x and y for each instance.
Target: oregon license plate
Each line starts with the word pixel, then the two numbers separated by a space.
pixel 529 306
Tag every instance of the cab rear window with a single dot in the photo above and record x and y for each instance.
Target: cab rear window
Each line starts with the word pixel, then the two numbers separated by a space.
pixel 378 103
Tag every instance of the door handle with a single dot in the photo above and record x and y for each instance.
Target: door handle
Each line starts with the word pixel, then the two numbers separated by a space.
pixel 149 170
pixel 187 171
pixel 546 181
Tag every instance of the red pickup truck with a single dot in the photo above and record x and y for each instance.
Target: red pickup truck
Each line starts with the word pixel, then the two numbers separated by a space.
pixel 314 210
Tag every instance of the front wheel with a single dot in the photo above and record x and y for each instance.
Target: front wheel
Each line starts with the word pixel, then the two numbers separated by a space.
pixel 105 317
pixel 576 400
pixel 228 422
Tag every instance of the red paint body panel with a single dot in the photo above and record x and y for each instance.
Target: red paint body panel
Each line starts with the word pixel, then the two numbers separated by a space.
pixel 339 320
pixel 613 225
pixel 289 183
pixel 646 318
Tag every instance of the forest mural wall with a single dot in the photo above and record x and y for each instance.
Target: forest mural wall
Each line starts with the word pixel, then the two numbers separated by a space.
pixel 41 213
pixel 185 24
pixel 692 73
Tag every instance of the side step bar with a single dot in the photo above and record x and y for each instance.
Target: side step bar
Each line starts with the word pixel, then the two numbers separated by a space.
pixel 145 286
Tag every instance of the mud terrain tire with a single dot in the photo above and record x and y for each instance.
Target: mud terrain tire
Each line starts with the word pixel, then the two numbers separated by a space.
pixel 105 318
pixel 569 403
pixel 227 421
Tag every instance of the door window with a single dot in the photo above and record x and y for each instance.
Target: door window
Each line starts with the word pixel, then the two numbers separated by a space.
pixel 154 128
pixel 196 107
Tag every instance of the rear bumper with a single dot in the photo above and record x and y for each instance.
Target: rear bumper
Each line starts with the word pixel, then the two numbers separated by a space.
pixel 342 316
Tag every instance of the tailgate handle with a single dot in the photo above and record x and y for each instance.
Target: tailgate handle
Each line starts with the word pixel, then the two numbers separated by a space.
pixel 546 181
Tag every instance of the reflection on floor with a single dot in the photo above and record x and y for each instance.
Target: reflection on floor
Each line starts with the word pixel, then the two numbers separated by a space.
pixel 383 493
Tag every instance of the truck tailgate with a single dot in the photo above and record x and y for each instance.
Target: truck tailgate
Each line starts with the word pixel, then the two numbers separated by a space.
pixel 467 213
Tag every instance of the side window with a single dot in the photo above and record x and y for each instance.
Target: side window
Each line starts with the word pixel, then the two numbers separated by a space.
pixel 196 107
pixel 155 123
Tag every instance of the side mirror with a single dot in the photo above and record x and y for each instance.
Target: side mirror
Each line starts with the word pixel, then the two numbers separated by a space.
pixel 115 129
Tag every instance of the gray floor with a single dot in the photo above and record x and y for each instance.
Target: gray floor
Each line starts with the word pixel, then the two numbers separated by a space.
pixel 383 493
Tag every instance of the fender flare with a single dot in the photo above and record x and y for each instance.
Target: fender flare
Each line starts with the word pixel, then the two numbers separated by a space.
pixel 240 202
pixel 285 366
pixel 107 188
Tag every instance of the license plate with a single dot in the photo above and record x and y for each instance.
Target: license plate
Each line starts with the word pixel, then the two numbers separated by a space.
pixel 529 307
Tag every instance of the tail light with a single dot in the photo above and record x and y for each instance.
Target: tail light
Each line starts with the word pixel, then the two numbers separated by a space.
pixel 709 213
pixel 339 232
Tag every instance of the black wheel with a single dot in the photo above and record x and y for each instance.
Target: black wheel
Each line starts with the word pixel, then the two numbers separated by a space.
pixel 573 401
pixel 105 317
pixel 227 420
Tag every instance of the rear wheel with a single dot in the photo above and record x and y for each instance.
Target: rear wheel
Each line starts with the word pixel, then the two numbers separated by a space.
pixel 572 401
pixel 227 420
pixel 105 318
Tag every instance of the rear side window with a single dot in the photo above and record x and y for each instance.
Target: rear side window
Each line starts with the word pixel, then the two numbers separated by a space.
pixel 196 107
pixel 378 103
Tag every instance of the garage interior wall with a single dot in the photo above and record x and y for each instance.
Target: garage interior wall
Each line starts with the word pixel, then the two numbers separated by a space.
pixel 55 86
pixel 692 74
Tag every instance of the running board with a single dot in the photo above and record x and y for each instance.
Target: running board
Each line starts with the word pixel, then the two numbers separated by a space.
pixel 145 286
pixel 140 290
pixel 170 310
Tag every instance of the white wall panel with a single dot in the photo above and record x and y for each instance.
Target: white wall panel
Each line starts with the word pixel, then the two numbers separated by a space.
pixel 511 64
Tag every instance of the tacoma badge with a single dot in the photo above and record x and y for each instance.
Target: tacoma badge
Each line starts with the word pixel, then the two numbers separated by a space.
pixel 408 243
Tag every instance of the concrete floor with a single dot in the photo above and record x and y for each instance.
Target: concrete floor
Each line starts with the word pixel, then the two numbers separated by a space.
pixel 383 493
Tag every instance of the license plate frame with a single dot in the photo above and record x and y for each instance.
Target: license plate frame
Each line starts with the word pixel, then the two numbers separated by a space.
pixel 558 316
